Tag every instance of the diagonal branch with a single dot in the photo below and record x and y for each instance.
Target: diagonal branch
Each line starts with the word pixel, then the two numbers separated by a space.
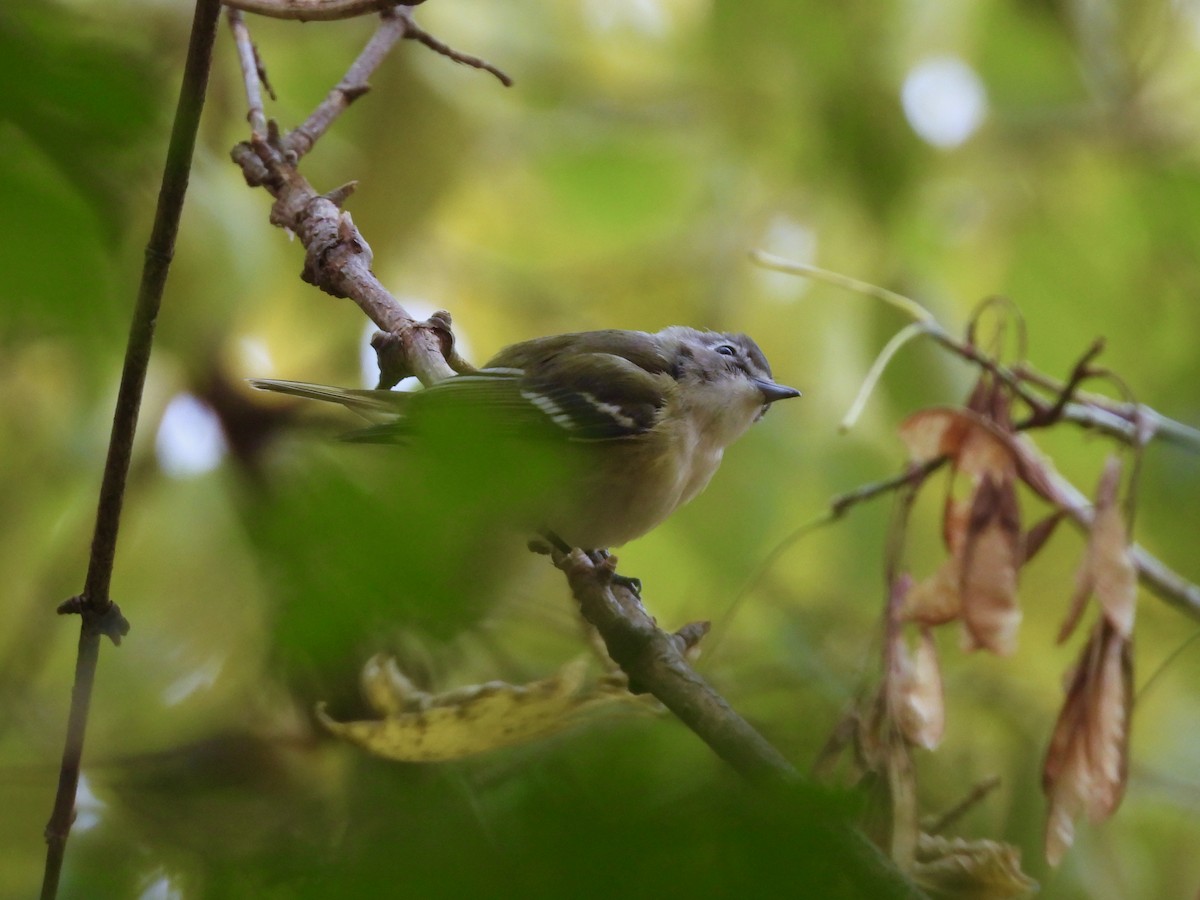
pixel 392 28
pixel 1131 423
pixel 338 258
pixel 655 663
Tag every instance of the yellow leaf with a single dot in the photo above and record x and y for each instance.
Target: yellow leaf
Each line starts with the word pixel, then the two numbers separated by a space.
pixel 387 690
pixel 419 727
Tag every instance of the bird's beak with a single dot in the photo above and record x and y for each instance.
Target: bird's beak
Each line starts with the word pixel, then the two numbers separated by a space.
pixel 772 391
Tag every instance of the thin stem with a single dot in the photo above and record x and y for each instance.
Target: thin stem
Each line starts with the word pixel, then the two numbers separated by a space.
pixel 1163 666
pixel 838 507
pixel 964 806
pixel 419 34
pixel 392 29
pixel 891 348
pixel 906 305
pixel 100 614
pixel 250 73
pixel 1089 410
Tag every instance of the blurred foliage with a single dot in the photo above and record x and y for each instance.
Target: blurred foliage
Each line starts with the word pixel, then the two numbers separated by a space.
pixel 646 147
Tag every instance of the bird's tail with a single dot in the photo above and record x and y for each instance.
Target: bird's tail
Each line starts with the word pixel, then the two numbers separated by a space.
pixel 374 405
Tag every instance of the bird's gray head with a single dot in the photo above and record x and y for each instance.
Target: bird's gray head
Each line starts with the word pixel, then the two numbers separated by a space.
pixel 712 357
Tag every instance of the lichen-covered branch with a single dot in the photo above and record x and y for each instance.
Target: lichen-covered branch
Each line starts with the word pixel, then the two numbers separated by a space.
pixel 655 663
pixel 337 256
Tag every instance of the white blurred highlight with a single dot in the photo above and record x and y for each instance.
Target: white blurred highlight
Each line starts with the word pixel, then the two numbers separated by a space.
pixel 792 240
pixel 944 101
pixel 190 441
pixel 198 679
pixel 87 806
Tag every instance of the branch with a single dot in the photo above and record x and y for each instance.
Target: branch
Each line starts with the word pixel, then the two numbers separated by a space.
pixel 416 33
pixel 100 615
pixel 1131 423
pixel 1154 575
pixel 654 662
pixel 313 10
pixel 1118 420
pixel 353 85
pixel 338 258
pixel 252 74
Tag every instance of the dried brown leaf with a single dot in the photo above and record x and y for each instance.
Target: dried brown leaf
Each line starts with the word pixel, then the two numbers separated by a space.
pixel 992 400
pixel 935 600
pixel 1041 532
pixel 1114 575
pixel 917 693
pixel 934 432
pixel 1079 598
pixel 991 557
pixel 1087 760
pixel 956 517
pixel 985 452
pixel 1107 571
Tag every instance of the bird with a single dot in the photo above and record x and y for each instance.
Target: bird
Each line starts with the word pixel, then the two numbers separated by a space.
pixel 588 439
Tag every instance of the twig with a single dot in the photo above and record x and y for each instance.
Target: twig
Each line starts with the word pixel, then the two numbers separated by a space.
pixel 313 10
pixel 100 615
pixel 654 662
pixel 906 305
pixel 964 806
pixel 838 507
pixel 353 84
pixel 1153 573
pixel 1080 373
pixel 1132 423
pixel 1091 411
pixel 419 34
pixel 899 339
pixel 252 74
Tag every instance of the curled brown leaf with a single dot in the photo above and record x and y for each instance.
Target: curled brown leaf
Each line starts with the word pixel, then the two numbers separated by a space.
pixel 991 557
pixel 1087 761
pixel 1107 572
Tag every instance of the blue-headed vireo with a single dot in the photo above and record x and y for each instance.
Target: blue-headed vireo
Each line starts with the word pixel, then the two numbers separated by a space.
pixel 595 437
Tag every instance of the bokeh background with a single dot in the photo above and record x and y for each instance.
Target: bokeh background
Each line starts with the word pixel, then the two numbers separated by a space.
pixel 1045 151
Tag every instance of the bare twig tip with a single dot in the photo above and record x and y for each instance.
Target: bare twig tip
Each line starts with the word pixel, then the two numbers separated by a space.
pixel 339 195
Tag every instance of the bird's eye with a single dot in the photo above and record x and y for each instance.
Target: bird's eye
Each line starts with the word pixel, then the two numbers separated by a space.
pixel 727 350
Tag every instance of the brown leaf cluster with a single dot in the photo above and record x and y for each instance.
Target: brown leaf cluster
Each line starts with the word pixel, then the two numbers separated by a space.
pixel 977 583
